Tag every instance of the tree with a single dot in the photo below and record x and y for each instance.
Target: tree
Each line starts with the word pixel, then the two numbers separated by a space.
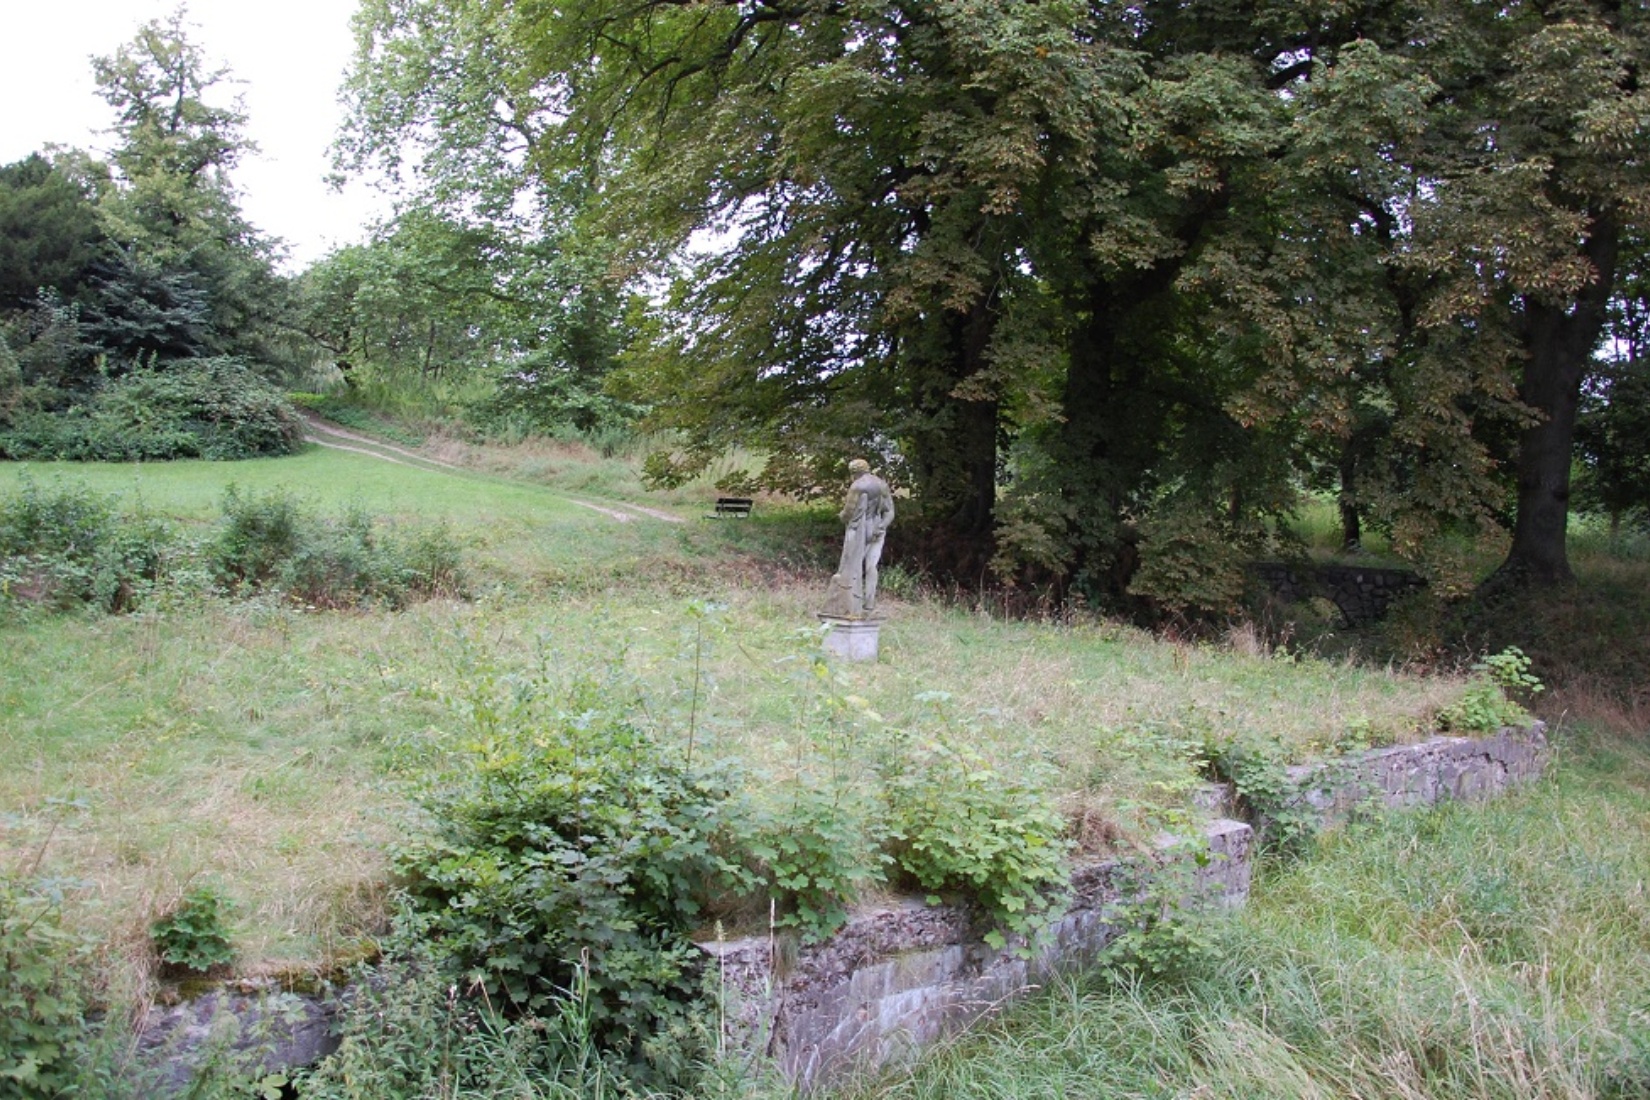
pixel 1102 282
pixel 482 242
pixel 49 231
pixel 173 212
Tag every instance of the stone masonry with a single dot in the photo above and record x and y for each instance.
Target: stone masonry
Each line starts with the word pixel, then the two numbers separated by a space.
pixel 1362 594
pixel 901 975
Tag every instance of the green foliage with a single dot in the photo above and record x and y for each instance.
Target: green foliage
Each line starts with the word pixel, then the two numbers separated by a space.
pixel 194 408
pixel 271 541
pixel 1191 563
pixel 1611 436
pixel 1168 932
pixel 574 844
pixel 1257 771
pixel 408 1034
pixel 816 847
pixel 1109 284
pixel 49 233
pixel 193 934
pixel 43 995
pixel 65 547
pixel 1491 699
pixel 256 535
pixel 959 824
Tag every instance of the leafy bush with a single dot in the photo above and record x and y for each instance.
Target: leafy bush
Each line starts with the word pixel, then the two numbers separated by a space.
pixel 1258 772
pixel 192 936
pixel 1488 704
pixel 66 547
pixel 42 996
pixel 189 408
pixel 1168 930
pixel 815 850
pixel 271 541
pixel 959 824
pixel 576 846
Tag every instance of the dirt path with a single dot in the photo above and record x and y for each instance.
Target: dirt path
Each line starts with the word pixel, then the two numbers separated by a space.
pixel 324 434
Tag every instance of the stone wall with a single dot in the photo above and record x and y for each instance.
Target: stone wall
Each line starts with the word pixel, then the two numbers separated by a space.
pixel 900 975
pixel 1437 770
pixel 1363 595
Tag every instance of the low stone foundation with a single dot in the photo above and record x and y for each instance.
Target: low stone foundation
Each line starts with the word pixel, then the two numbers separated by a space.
pixel 899 976
pixel 1440 769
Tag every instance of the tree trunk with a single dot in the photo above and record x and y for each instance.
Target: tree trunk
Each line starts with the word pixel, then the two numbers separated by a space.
pixel 1559 345
pixel 1352 530
pixel 954 452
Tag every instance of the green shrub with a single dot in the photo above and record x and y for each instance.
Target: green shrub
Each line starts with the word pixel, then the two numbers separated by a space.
pixel 257 533
pixel 43 1032
pixel 271 541
pixel 815 849
pixel 1258 772
pixel 68 547
pixel 192 936
pixel 1490 702
pixel 576 845
pixel 959 824
pixel 188 408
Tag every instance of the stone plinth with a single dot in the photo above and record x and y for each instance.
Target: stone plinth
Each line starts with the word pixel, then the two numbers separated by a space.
pixel 851 639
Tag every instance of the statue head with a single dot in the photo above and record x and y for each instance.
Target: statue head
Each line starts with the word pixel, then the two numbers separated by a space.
pixel 858 466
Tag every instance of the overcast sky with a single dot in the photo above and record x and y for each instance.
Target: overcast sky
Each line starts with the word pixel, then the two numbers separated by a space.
pixel 290 57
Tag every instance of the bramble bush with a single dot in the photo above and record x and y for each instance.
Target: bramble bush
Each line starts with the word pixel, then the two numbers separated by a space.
pixel 189 408
pixel 66 547
pixel 43 1031
pixel 407 1032
pixel 577 842
pixel 958 824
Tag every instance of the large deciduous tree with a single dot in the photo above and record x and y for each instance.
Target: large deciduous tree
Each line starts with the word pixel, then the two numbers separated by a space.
pixel 487 241
pixel 1103 282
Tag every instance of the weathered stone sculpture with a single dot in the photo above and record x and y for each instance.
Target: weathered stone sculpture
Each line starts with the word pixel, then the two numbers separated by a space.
pixel 866 514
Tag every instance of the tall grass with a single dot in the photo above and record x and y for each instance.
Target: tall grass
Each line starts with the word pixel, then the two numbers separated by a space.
pixel 1472 951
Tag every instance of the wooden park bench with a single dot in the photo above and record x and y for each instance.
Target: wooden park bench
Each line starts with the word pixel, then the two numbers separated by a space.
pixel 733 506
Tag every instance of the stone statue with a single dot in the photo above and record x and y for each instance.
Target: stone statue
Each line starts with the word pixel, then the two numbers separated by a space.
pixel 866 514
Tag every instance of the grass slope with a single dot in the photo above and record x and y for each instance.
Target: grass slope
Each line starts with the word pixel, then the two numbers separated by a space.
pixel 261 746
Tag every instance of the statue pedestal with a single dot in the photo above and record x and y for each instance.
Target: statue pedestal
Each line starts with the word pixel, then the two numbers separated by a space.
pixel 851 639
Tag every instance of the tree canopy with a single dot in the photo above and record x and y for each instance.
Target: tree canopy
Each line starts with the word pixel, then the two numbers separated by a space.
pixel 113 274
pixel 1102 285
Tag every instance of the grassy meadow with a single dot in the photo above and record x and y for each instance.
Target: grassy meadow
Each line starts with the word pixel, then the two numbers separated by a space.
pixel 261 746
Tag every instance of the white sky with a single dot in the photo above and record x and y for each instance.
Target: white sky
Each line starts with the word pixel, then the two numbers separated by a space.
pixel 288 55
